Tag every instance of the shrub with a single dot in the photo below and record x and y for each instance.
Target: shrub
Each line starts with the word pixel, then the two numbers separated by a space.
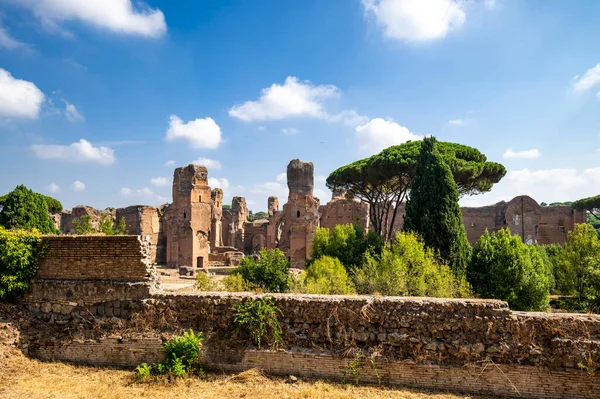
pixel 205 283
pixel 503 267
pixel 259 319
pixel 270 272
pixel 234 283
pixel 348 243
pixel 143 372
pixel 109 226
pixel 184 348
pixel 83 225
pixel 20 252
pixel 24 209
pixel 328 276
pixel 432 209
pixel 407 267
pixel 552 257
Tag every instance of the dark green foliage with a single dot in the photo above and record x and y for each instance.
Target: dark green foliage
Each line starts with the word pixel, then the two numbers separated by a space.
pixel 348 243
pixel 270 272
pixel 383 180
pixel 432 211
pixel 20 252
pixel 503 267
pixel 327 276
pixel 551 255
pixel 592 206
pixel 259 319
pixel 261 215
pixel 226 207
pixel 83 225
pixel 111 227
pixel 54 205
pixel 407 267
pixel 24 209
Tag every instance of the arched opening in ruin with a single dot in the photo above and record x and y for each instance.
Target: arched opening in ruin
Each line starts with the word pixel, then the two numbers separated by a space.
pixel 298 213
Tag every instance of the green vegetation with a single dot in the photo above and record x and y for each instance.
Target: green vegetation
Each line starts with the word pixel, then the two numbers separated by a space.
pixel 408 267
pixel 503 267
pixel 259 320
pixel 348 243
pixel 24 209
pixel 384 180
pixel 592 207
pixel 432 210
pixel 181 357
pixel 54 205
pixel 270 272
pixel 327 276
pixel 20 252
pixel 83 225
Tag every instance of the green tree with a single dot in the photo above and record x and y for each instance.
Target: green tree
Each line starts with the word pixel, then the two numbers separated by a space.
pixel 432 211
pixel 407 267
pixel 83 225
pixel 348 243
pixel 592 207
pixel 54 205
pixel 24 209
pixel 580 273
pixel 270 272
pixel 327 276
pixel 111 227
pixel 20 252
pixel 384 180
pixel 503 267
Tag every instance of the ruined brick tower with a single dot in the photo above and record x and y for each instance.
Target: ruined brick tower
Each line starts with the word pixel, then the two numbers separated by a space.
pixel 189 218
pixel 216 232
pixel 300 213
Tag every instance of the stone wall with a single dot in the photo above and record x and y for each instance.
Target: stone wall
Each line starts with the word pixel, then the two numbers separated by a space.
pixel 144 221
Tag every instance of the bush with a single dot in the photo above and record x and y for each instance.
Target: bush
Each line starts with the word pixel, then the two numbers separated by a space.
pixel 111 227
pixel 270 272
pixel 83 225
pixel 24 209
pixel 407 267
pixel 234 283
pixel 259 320
pixel 205 283
pixel 503 267
pixel 20 252
pixel 348 243
pixel 552 256
pixel 327 276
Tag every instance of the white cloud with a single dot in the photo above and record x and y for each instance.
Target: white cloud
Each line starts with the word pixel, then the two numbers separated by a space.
pixel 144 194
pixel 270 188
pixel 209 163
pixel 7 41
pixel 215 182
pixel 53 188
pixel 72 113
pixel 294 98
pixel 378 134
pixel 456 122
pixel 200 133
pixel 119 16
pixel 160 181
pixel 170 163
pixel 349 117
pixel 416 20
pixel 590 79
pixel 78 186
pixel 289 131
pixel 19 98
pixel 320 179
pixel 80 152
pixel 526 154
pixel 544 185
pixel 281 177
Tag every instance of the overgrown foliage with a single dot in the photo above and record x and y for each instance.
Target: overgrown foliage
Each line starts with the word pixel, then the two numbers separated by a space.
pixel 83 225
pixel 384 180
pixel 326 276
pixel 407 267
pixel 259 319
pixel 503 267
pixel 20 252
pixel 348 243
pixel 432 211
pixel 24 209
pixel 112 227
pixel 270 272
pixel 54 205
pixel 181 357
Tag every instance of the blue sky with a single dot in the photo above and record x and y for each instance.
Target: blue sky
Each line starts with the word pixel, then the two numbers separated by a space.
pixel 101 100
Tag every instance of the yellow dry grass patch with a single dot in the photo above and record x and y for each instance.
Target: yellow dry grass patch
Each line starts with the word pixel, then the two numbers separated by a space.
pixel 25 378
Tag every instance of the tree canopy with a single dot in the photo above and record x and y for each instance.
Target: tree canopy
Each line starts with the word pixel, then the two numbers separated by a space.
pixel 383 180
pixel 54 205
pixel 432 211
pixel 590 204
pixel 24 209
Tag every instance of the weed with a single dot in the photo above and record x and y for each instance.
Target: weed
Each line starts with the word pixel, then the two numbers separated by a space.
pixel 260 320
pixel 355 364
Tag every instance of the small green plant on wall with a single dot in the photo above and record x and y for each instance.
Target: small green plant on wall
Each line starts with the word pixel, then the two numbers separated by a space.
pixel 181 357
pixel 259 319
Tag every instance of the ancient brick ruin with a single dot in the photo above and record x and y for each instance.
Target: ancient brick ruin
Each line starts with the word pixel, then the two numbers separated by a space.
pixel 194 231
pixel 95 301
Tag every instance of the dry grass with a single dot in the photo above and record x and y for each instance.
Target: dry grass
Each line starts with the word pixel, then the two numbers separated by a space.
pixel 25 378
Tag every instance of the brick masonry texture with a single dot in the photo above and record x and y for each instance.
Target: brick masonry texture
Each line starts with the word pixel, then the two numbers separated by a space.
pixel 458 344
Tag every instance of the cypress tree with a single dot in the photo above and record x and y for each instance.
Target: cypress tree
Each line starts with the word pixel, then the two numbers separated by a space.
pixel 432 209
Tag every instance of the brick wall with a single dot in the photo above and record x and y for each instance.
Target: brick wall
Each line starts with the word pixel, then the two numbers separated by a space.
pixel 95 257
